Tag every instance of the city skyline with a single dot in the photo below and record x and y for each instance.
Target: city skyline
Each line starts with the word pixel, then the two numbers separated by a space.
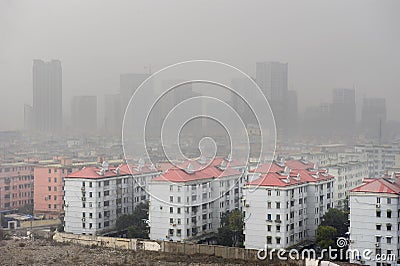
pixel 318 60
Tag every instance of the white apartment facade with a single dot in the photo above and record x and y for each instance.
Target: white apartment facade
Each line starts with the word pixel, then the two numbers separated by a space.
pixel 374 222
pixel 96 197
pixel 347 175
pixel 283 208
pixel 187 203
pixel 379 157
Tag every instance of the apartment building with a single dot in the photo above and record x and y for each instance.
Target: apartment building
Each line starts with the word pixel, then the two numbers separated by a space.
pixel 379 157
pixel 16 185
pixel 187 202
pixel 374 221
pixel 348 175
pixel 96 196
pixel 284 206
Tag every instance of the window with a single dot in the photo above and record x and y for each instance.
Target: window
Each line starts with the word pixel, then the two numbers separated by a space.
pixel 55 179
pixel 378 213
pixel 49 171
pixel 49 179
pixel 389 240
pixel 278 193
pixel 278 205
pixel 389 214
pixel 278 228
pixel 171 232
pixel 49 188
pixel 269 205
pixel 106 224
pixel 178 232
pixel 269 240
pixel 49 206
pixel 90 194
pixel 179 199
pixel 389 227
pixel 55 197
pixel 179 210
pixel 269 217
pixel 269 228
pixel 378 200
pixel 171 188
pixel 389 201
pixel 171 198
pixel 83 183
pixel 55 188
pixel 378 227
pixel 83 225
pixel 171 209
pixel 106 203
pixel 171 220
pixel 269 192
pixel 55 206
pixel 106 193
pixel 106 183
pixel 278 240
pixel 278 217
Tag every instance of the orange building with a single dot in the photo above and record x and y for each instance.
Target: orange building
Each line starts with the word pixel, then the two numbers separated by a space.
pixel 16 185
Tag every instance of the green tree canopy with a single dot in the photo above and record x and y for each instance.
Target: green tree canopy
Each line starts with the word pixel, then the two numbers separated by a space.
pixel 337 219
pixel 326 236
pixel 231 231
pixel 135 223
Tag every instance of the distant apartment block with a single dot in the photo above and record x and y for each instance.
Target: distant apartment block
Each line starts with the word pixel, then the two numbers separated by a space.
pixel 374 221
pixel 348 175
pixel 188 201
pixel 379 157
pixel 96 196
pixel 284 204
pixel 16 185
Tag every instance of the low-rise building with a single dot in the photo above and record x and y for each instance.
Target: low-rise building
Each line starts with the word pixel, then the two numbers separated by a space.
pixel 374 221
pixel 96 196
pixel 284 206
pixel 16 185
pixel 187 202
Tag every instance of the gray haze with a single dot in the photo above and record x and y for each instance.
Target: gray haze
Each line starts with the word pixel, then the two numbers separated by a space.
pixel 328 44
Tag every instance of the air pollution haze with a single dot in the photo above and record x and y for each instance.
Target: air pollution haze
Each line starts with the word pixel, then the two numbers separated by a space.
pixel 327 45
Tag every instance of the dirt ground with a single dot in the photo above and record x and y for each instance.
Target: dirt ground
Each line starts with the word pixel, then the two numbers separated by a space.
pixel 46 252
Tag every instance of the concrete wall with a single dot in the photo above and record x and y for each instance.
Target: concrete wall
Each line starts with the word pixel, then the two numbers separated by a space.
pixel 165 246
pixel 40 223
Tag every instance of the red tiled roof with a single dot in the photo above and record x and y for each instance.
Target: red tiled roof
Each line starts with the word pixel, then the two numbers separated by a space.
pixel 176 174
pixel 380 185
pixel 278 179
pixel 276 166
pixel 93 172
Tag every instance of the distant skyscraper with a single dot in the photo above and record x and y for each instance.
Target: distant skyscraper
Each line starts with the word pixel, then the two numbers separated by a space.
pixel 343 112
pixel 128 84
pixel 112 115
pixel 47 95
pixel 28 117
pixel 373 116
pixel 272 77
pixel 292 114
pixel 84 113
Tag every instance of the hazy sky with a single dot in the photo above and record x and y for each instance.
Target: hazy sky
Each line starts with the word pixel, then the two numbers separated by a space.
pixel 326 43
